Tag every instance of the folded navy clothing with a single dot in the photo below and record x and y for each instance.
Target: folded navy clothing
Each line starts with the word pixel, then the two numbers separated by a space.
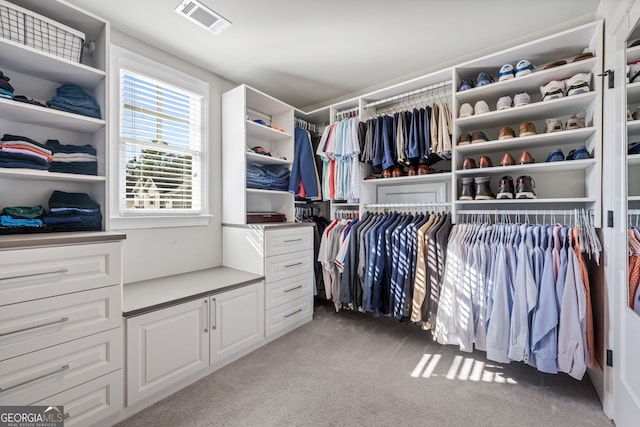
pixel 17 164
pixel 35 161
pixel 81 168
pixel 9 137
pixel 79 211
pixel 61 199
pixel 72 98
pixel 5 85
pixel 24 230
pixel 76 227
pixel 55 146
pixel 55 219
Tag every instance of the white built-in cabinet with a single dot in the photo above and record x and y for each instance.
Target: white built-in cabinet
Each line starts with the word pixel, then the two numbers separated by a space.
pixel 167 346
pixel 37 74
pixel 240 108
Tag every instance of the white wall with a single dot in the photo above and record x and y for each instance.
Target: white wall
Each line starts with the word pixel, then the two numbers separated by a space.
pixel 157 252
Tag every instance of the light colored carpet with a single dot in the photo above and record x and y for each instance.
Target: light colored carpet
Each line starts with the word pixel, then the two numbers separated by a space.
pixel 348 369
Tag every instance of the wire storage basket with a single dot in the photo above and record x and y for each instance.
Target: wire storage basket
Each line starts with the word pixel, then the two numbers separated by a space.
pixel 39 32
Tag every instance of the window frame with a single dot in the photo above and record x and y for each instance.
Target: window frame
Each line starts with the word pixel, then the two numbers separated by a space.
pixel 122 58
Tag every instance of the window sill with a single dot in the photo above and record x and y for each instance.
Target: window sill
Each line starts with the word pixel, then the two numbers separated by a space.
pixel 141 222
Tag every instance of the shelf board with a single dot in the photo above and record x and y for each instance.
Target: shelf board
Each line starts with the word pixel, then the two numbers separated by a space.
pixel 261 159
pixel 566 137
pixel 345 205
pixel 564 166
pixel 33 174
pixel 531 112
pixel 529 83
pixel 633 127
pixel 269 192
pixel 265 133
pixel 633 198
pixel 633 159
pixel 33 62
pixel 434 177
pixel 633 93
pixel 633 54
pixel 507 202
pixel 48 117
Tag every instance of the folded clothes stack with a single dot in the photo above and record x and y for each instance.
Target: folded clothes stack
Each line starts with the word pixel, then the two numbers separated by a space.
pixel 22 220
pixel 268 177
pixel 22 152
pixel 6 90
pixel 78 159
pixel 73 212
pixel 73 99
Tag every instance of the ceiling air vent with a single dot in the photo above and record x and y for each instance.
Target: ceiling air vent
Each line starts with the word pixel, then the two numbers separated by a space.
pixel 202 15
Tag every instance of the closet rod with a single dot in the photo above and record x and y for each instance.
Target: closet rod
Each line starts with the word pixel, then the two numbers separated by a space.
pixel 633 211
pixel 407 205
pixel 411 93
pixel 524 211
pixel 348 111
pixel 260 113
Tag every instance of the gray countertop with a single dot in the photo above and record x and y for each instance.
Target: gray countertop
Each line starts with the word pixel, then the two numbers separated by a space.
pixel 149 295
pixel 271 225
pixel 20 241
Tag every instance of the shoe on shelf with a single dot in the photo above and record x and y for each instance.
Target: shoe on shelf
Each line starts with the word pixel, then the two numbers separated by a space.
pixel 524 67
pixel 466 84
pixel 629 116
pixel 478 136
pixel 468 189
pixel 580 153
pixel 555 64
pixel 633 148
pixel 584 55
pixel 552 90
pixel 397 171
pixel 521 99
pixel 526 158
pixel 575 122
pixel 506 133
pixel 483 79
pixel 553 125
pixel 466 110
pixel 468 163
pixel 524 187
pixel 507 160
pixel 634 71
pixel 387 172
pixel 527 129
pixel 635 115
pixel 464 138
pixel 578 83
pixel 555 156
pixel 506 72
pixel 485 162
pixel 425 169
pixel 481 107
pixel 503 103
pixel 483 188
pixel 505 188
pixel 413 170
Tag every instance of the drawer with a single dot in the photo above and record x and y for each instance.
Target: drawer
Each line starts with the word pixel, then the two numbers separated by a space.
pixel 288 265
pixel 28 274
pixel 286 290
pixel 34 376
pixel 288 315
pixel 33 325
pixel 88 403
pixel 278 242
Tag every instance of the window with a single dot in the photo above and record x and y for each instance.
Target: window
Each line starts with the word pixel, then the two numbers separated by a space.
pixel 161 143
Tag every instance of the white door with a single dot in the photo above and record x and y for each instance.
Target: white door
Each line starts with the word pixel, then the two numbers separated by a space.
pixel 237 322
pixel 625 328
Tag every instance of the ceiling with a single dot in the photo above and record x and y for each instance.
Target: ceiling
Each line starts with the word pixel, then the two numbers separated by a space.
pixel 309 53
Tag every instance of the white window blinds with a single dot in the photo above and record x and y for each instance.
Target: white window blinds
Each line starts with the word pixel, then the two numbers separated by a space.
pixel 161 143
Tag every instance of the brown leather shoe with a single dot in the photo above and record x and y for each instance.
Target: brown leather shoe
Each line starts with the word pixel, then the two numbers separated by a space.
pixel 413 170
pixel 469 163
pixel 478 136
pixel 555 64
pixel 397 171
pixel 527 129
pixel 485 162
pixel 425 170
pixel 526 158
pixel 506 133
pixel 507 160
pixel 387 173
pixel 464 138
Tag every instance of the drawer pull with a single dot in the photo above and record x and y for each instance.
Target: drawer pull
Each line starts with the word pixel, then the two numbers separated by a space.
pixel 46 273
pixel 54 322
pixel 293 289
pixel 295 312
pixel 293 240
pixel 61 369
pixel 293 265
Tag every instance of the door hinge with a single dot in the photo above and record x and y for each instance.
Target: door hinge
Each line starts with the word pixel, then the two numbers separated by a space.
pixel 611 75
pixel 609 357
pixel 610 219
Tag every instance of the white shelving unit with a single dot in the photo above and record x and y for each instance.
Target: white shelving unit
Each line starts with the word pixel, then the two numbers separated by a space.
pixel 559 185
pixel 241 106
pixel 38 74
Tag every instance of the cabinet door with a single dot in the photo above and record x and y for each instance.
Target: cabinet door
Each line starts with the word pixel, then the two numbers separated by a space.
pixel 237 321
pixel 166 346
